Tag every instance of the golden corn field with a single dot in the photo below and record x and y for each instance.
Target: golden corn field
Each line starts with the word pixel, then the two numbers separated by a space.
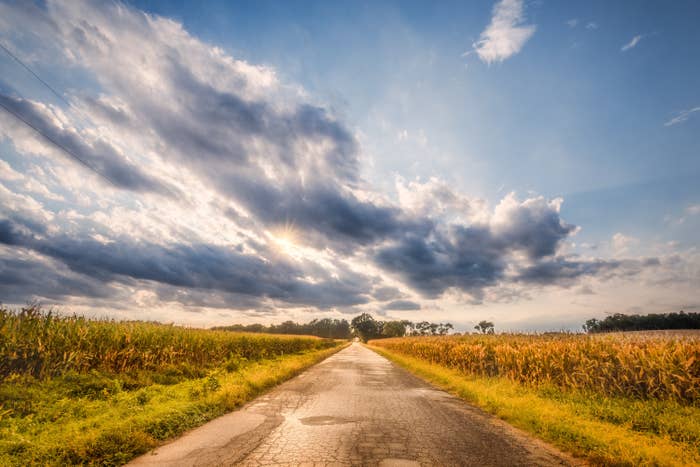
pixel 43 344
pixel 644 366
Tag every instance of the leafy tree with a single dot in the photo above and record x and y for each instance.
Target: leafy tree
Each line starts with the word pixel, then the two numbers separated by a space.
pixel 393 329
pixel 485 327
pixel 365 327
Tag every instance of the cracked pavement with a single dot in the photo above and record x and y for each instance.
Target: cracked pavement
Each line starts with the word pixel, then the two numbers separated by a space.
pixel 355 408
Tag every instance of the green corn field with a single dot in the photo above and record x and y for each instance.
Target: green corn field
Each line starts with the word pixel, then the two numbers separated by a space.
pixel 44 344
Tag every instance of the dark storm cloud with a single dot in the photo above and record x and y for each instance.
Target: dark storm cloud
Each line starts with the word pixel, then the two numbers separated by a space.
pixel 466 259
pixel 470 258
pixel 335 216
pixel 386 293
pixel 537 231
pixel 195 266
pixel 23 278
pixel 99 155
pixel 215 115
pixel 402 305
pixel 565 271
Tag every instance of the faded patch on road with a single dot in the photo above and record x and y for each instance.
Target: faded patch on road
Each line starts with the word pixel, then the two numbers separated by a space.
pixel 357 408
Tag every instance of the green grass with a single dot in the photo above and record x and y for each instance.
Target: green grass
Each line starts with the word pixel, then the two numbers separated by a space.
pixel 109 418
pixel 603 430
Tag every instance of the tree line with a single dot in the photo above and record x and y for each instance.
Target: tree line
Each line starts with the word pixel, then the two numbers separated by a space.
pixel 650 322
pixel 366 327
pixel 327 327
pixel 363 326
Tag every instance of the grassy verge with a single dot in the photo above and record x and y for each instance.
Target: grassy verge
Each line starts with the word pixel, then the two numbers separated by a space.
pixel 603 430
pixel 93 419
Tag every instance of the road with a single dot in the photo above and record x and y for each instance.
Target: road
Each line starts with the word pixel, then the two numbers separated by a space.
pixel 355 408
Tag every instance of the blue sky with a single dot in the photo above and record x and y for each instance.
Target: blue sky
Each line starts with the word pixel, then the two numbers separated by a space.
pixel 551 147
pixel 570 115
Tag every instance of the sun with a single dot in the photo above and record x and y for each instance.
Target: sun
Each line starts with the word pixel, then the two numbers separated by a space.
pixel 286 239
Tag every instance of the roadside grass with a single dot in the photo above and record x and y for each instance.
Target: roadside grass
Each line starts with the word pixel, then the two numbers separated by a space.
pixel 103 418
pixel 601 429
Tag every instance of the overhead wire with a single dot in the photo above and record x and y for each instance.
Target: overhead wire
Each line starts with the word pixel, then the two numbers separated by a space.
pixel 56 143
pixel 43 134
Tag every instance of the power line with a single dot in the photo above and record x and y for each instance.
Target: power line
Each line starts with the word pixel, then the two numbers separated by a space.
pixel 56 143
pixel 55 93
pixel 40 132
pixel 49 138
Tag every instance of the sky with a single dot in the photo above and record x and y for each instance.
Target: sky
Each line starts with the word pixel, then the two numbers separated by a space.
pixel 532 163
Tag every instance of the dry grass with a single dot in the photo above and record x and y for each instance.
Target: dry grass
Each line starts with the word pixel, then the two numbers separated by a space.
pixel 637 365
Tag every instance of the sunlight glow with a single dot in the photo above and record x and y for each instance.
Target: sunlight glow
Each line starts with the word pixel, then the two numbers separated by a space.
pixel 286 240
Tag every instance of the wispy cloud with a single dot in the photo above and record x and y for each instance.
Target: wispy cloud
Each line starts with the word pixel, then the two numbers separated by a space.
pixel 592 25
pixel 682 116
pixel 572 23
pixel 506 34
pixel 632 43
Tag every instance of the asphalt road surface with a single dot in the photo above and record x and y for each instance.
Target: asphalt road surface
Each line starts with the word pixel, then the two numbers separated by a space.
pixel 355 408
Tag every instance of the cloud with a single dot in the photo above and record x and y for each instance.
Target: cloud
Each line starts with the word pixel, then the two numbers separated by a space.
pixel 622 243
pixel 402 305
pixel 682 116
pixel 8 173
pixel 632 43
pixel 565 272
pixel 591 25
pixel 506 35
pixel 237 190
pixel 471 258
pixel 98 154
pixel 194 266
pixel 572 23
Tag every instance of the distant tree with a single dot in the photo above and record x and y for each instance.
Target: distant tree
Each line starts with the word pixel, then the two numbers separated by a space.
pixel 327 327
pixel 365 327
pixel 591 325
pixel 393 329
pixel 650 322
pixel 423 328
pixel 485 327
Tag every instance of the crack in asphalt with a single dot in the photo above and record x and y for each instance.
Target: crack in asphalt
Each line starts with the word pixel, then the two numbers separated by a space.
pixel 356 408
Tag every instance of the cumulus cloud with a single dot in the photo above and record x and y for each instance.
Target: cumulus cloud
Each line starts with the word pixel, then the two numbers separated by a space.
pixel 506 35
pixel 472 257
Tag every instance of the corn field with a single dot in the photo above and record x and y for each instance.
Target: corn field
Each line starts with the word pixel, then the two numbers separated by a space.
pixel 43 344
pixel 653 366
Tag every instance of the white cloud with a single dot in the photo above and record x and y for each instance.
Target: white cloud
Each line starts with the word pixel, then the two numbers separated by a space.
pixel 506 34
pixel 572 23
pixel 682 116
pixel 632 43
pixel 8 173
pixel 622 243
pixel 592 25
